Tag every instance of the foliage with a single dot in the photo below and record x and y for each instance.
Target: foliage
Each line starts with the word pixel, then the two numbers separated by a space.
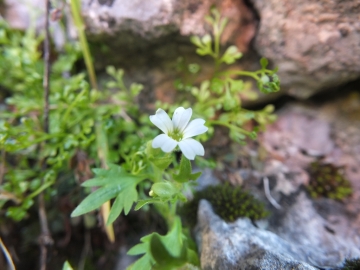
pixel 327 180
pixel 165 252
pixel 74 110
pixel 229 202
pixel 108 126
pixel 67 266
pixel 219 99
pixel 351 264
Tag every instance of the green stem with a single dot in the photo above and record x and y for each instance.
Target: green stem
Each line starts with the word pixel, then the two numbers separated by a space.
pixel 79 23
pixel 230 126
pixel 72 105
pixel 43 187
pixel 241 73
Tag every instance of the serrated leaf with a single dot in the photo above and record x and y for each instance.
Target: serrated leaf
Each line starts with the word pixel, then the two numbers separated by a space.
pixel 185 171
pixel 113 182
pixel 122 202
pixel 146 261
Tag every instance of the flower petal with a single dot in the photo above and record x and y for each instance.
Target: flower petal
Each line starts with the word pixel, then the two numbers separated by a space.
pixel 181 118
pixel 165 142
pixel 162 121
pixel 190 148
pixel 195 127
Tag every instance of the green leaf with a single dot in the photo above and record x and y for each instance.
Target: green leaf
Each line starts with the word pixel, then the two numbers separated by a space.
pixel 67 266
pixel 161 253
pixel 185 171
pixel 122 202
pixel 236 86
pixel 158 157
pixel 169 251
pixel 114 182
pixel 196 40
pixel 174 236
pixel 164 252
pixel 217 85
pixel 138 249
pixel 96 199
pixel 206 40
pixel 164 189
pixel 264 62
pixel 145 262
pixel 231 54
pixel 142 203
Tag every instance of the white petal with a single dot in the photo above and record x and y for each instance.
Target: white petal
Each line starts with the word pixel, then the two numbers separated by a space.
pixel 162 121
pixel 181 118
pixel 195 127
pixel 190 148
pixel 165 142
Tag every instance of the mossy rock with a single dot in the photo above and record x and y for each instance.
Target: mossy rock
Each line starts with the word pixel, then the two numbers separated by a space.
pixel 352 264
pixel 327 180
pixel 229 202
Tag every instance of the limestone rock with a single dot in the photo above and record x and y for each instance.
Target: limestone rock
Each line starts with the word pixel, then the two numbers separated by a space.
pixel 241 245
pixel 153 19
pixel 314 44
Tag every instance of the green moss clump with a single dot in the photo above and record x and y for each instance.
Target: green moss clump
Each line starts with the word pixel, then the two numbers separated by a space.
pixel 352 264
pixel 228 202
pixel 327 180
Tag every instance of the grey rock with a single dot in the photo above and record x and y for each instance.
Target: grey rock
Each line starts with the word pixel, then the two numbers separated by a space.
pixel 241 245
pixel 314 44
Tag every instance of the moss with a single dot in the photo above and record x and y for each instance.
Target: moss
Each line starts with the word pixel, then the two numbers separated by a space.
pixel 327 180
pixel 228 202
pixel 352 264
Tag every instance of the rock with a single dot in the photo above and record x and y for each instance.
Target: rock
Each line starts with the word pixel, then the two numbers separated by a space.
pixel 30 13
pixel 314 44
pixel 153 19
pixel 296 237
pixel 241 245
pixel 310 232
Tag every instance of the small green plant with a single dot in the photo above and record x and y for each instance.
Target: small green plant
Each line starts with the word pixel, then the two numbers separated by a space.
pixel 134 165
pixel 327 180
pixel 229 202
pixel 219 99
pixel 351 264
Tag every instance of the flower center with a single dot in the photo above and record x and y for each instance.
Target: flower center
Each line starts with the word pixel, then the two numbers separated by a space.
pixel 176 135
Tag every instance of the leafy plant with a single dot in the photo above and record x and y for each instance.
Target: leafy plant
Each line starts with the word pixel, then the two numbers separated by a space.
pixel 219 99
pixel 132 166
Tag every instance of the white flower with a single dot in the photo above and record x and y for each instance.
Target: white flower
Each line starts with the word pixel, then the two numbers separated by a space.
pixel 179 131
